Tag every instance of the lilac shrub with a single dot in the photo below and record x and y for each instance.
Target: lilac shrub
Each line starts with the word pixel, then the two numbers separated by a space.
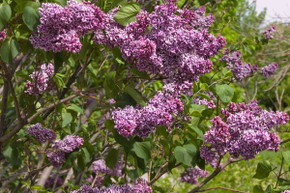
pixel 245 132
pixel 60 28
pixel 40 80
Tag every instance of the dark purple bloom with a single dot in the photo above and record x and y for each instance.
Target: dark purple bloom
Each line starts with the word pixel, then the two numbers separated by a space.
pixel 41 134
pixel 269 33
pixel 191 174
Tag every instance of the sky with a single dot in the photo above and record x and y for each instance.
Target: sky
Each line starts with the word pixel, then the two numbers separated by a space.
pixel 277 10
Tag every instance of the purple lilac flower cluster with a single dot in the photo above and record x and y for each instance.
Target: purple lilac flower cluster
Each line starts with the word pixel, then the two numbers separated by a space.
pixel 60 28
pixel 61 147
pixel 140 186
pixel 49 183
pixel 245 132
pixel 269 33
pixel 178 46
pixel 191 174
pixel 269 70
pixel 141 121
pixel 3 34
pixel 41 134
pixel 99 167
pixel 40 79
pixel 235 64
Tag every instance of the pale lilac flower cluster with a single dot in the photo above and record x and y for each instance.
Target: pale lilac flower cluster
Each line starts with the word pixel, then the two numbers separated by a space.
pixel 41 134
pixel 40 79
pixel 191 174
pixel 3 34
pixel 209 103
pixel 286 191
pixel 61 147
pixel 245 132
pixel 140 186
pixel 236 65
pixel 177 46
pixel 60 28
pixel 98 181
pixel 269 33
pixel 269 70
pixel 141 121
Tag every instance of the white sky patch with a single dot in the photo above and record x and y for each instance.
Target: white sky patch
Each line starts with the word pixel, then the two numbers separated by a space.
pixel 277 10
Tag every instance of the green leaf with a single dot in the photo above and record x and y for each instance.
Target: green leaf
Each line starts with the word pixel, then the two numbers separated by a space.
pixel 9 50
pixel 286 156
pixel 135 95
pixel 5 14
pixel 225 92
pixel 186 154
pixel 180 3
pixel 109 4
pixel 268 189
pixel 142 150
pixel 258 189
pixel 75 108
pixel 263 170
pixel 31 18
pixel 66 119
pixel 112 158
pixel 127 13
pixel 58 78
pixel 197 131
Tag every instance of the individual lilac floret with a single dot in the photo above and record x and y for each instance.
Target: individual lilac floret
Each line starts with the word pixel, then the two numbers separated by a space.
pixel 40 79
pixel 245 132
pixel 68 144
pixel 269 33
pixel 3 34
pixel 49 183
pixel 177 46
pixel 269 70
pixel 56 158
pixel 60 28
pixel 41 134
pixel 191 174
pixel 141 121
pixel 239 69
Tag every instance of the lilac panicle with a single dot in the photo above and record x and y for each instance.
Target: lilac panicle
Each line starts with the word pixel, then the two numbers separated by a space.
pixel 269 70
pixel 56 158
pixel 239 69
pixel 41 134
pixel 68 144
pixel 191 174
pixel 60 28
pixel 3 34
pixel 268 34
pixel 61 147
pixel 40 79
pixel 177 47
pixel 245 132
pixel 141 121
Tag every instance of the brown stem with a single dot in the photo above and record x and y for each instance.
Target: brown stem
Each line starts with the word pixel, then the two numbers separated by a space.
pixel 29 120
pixel 285 141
